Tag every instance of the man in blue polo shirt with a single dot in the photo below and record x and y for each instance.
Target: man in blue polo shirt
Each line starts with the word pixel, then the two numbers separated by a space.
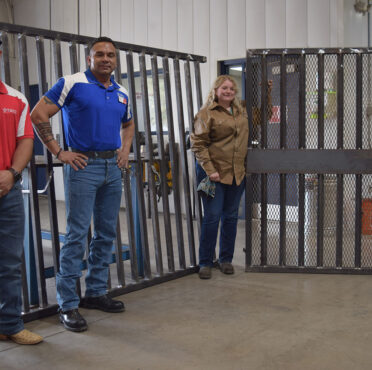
pixel 99 130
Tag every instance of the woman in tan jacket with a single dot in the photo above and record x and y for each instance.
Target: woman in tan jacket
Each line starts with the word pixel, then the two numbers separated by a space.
pixel 219 142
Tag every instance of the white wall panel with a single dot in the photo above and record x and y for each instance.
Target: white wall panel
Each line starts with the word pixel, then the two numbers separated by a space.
pixel 275 23
pixel 112 19
pixel 336 23
pixel 140 22
pixel 296 23
pixel 201 39
pixel 89 18
pixel 170 28
pixel 127 21
pixel 236 28
pixel 218 34
pixel 356 26
pixel 32 13
pixel 318 23
pixel 255 24
pixel 155 19
pixel 185 26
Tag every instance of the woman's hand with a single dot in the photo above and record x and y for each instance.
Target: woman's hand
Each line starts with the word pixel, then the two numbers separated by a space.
pixel 215 176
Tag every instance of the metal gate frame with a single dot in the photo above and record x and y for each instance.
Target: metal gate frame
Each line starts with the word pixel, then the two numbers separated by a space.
pixel 301 161
pixel 35 274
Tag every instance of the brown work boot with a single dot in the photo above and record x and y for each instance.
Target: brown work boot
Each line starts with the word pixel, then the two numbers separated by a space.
pixel 227 268
pixel 23 337
pixel 205 272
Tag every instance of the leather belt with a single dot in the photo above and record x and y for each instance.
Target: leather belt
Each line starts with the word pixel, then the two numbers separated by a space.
pixel 104 154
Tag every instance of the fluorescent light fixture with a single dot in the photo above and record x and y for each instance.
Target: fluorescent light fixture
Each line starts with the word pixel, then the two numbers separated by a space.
pixel 236 68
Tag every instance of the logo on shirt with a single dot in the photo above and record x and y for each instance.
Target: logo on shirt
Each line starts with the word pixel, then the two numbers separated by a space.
pixel 122 99
pixel 9 110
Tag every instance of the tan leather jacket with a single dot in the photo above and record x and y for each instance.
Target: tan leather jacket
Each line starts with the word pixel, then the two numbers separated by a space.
pixel 220 141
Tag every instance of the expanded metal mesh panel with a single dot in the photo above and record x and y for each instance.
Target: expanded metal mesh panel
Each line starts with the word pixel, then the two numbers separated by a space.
pixel 312 220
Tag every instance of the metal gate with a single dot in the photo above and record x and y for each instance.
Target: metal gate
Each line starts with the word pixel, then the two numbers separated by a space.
pixel 157 80
pixel 309 163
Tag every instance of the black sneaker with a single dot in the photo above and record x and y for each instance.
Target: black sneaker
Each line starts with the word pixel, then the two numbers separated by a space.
pixel 103 303
pixel 72 320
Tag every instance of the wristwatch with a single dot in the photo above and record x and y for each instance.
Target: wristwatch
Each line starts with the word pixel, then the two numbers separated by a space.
pixel 16 175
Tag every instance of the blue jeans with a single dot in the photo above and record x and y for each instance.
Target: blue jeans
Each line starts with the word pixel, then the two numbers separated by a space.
pixel 225 207
pixel 12 228
pixel 94 190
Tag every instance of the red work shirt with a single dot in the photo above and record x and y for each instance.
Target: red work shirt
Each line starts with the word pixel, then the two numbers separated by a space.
pixel 15 123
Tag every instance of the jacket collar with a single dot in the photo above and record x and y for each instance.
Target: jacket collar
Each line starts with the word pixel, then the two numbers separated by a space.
pixel 215 105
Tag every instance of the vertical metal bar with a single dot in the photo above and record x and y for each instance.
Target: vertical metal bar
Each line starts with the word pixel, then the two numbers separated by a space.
pixel 283 145
pixel 5 64
pixel 58 73
pixel 118 78
pixel 139 169
pixel 199 103
pixel 119 255
pixel 34 201
pixel 249 181
pixel 163 163
pixel 150 157
pixel 130 223
pixel 174 162
pixel 26 299
pixel 52 205
pixel 190 110
pixel 264 146
pixel 340 145
pixel 359 145
pixel 183 154
pixel 73 57
pixel 301 145
pixel 199 99
pixel 320 200
pixel 86 53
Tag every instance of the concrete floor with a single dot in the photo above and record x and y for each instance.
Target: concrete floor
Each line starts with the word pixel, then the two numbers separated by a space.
pixel 244 321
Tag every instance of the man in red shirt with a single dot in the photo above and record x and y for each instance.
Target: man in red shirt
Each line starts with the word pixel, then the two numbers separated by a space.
pixel 16 145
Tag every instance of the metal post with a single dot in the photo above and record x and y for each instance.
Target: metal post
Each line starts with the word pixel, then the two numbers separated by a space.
pixel 162 163
pixel 190 110
pixel 320 201
pixel 150 157
pixel 358 145
pixel 283 145
pixel 183 157
pixel 264 146
pixel 130 223
pixel 143 242
pixel 52 205
pixel 340 145
pixel 174 162
pixel 36 278
pixel 301 145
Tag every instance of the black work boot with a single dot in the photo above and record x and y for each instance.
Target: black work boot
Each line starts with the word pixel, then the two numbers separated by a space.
pixel 103 303
pixel 72 320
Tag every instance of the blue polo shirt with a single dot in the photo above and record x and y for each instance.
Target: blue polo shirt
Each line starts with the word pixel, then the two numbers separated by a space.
pixel 92 114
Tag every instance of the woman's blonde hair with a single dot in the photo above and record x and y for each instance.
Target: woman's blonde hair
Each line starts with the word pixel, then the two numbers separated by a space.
pixel 211 98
